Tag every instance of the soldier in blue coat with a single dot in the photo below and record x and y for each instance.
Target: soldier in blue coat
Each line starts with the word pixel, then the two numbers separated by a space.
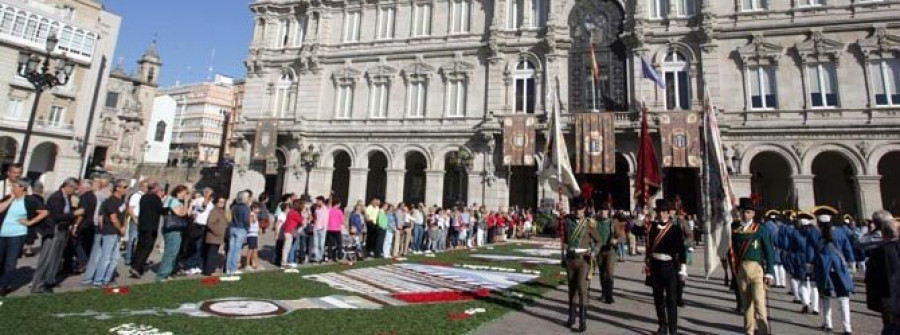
pixel 774 223
pixel 806 238
pixel 785 243
pixel 833 256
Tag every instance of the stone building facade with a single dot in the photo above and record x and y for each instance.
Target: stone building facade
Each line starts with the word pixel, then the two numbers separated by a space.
pixel 126 115
pixel 387 91
pixel 87 35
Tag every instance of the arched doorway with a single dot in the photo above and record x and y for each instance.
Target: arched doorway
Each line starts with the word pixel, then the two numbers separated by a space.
pixel 414 180
pixel 889 169
pixel 598 23
pixel 613 188
pixel 456 186
pixel 833 183
pixel 340 178
pixel 8 149
pixel 376 183
pixel 43 160
pixel 771 181
pixel 275 176
pixel 523 187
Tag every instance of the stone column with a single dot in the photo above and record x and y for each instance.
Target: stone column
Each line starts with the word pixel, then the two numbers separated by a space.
pixel 358 179
pixel 806 193
pixel 869 190
pixel 434 193
pixel 473 193
pixel 631 200
pixel 394 188
pixel 320 181
pixel 741 185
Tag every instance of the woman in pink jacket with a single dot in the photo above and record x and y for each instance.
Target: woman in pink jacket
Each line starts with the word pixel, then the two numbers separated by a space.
pixel 333 241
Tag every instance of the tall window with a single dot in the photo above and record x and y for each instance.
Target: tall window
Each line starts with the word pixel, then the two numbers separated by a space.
pixel 6 22
pixel 43 30
pixel 351 26
pixel 285 36
pixel 822 85
pixel 678 88
pixel 538 13
pixel 386 22
pixel 31 28
pixel 14 108
pixel 684 8
pixel 456 97
pixel 762 87
pixel 284 96
pixel 459 16
pixel 112 99
pixel 300 31
pixel 659 9
pixel 378 99
pixel 18 29
pixel 343 104
pixel 754 5
pixel 261 33
pixel 421 19
pixel 57 116
pixel 514 13
pixel 160 131
pixel 885 78
pixel 416 93
pixel 525 87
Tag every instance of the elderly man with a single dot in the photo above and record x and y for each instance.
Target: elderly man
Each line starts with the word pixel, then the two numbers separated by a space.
pixel 147 227
pixel 54 234
pixel 200 209
pixel 134 210
pixel 883 274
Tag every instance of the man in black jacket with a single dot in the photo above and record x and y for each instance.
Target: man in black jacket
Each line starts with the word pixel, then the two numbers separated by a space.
pixel 148 227
pixel 54 236
pixel 883 274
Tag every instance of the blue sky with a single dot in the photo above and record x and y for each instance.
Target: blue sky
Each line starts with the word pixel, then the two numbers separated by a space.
pixel 187 32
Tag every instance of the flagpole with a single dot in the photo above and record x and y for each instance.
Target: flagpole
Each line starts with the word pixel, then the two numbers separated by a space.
pixel 707 108
pixel 559 186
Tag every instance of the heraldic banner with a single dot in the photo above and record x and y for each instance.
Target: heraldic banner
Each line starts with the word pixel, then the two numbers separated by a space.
pixel 518 140
pixel 595 143
pixel 266 140
pixel 680 136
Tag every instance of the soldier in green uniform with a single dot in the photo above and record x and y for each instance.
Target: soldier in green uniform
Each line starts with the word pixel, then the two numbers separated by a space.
pixel 606 257
pixel 753 255
pixel 580 235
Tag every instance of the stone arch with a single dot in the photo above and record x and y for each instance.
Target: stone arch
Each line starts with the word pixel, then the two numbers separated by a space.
pixel 43 157
pixel 747 157
pixel 834 180
pixel 9 148
pixel 877 154
pixel 528 56
pixel 631 160
pixel 440 156
pixel 333 151
pixel 684 48
pixel 607 23
pixel 362 161
pixel 852 156
pixel 400 162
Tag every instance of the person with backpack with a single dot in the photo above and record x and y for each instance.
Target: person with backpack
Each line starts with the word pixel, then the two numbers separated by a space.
pixel 831 264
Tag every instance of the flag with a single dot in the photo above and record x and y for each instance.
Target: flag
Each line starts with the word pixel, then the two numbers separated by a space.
pixel 679 135
pixel 650 73
pixel 595 69
pixel 595 143
pixel 518 140
pixel 556 167
pixel 647 179
pixel 720 193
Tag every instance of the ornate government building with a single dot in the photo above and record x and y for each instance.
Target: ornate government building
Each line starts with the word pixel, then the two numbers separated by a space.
pixel 394 93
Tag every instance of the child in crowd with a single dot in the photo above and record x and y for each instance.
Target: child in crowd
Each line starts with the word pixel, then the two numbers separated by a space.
pixel 253 238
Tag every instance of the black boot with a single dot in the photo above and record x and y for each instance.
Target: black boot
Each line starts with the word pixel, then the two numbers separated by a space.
pixel 582 323
pixel 662 330
pixel 571 320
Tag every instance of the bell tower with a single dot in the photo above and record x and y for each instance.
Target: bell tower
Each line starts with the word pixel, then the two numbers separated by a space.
pixel 149 66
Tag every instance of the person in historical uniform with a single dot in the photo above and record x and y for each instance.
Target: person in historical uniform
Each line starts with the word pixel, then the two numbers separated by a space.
pixel 832 264
pixel 806 238
pixel 774 223
pixel 606 256
pixel 751 248
pixel 677 216
pixel 580 235
pixel 666 263
pixel 784 247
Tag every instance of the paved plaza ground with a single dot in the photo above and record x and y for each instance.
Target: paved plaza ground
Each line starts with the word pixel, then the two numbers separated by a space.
pixel 709 307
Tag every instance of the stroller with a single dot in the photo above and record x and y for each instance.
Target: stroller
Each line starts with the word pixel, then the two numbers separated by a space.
pixel 351 250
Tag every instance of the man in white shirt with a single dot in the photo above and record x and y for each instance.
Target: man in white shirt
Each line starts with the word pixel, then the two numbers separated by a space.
pixel 13 172
pixel 134 208
pixel 200 209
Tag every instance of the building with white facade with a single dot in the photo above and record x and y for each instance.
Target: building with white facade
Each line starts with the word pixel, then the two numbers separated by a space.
pixel 159 136
pixel 199 120
pixel 388 91
pixel 87 35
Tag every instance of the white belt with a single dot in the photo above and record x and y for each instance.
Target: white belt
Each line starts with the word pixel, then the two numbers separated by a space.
pixel 579 250
pixel 661 257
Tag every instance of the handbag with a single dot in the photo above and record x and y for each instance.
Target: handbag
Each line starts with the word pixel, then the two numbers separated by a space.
pixel 174 222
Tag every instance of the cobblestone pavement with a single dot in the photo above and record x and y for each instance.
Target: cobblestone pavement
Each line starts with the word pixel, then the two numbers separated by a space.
pixel 708 311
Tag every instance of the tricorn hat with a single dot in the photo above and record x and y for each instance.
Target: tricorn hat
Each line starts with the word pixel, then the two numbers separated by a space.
pixel 789 214
pixel 745 204
pixel 848 217
pixel 773 214
pixel 804 215
pixel 824 213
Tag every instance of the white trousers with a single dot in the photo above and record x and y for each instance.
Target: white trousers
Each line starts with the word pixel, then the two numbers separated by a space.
pixel 780 276
pixel 844 305
pixel 795 288
pixel 809 295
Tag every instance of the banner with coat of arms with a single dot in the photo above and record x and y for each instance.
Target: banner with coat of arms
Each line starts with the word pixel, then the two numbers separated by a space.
pixel 518 140
pixel 266 140
pixel 595 143
pixel 680 137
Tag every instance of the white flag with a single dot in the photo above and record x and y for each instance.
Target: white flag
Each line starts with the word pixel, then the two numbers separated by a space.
pixel 557 169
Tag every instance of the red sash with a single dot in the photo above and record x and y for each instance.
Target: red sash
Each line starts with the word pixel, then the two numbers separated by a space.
pixel 658 239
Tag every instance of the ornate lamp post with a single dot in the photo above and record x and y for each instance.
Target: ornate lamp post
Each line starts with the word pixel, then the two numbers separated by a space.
pixel 37 71
pixel 309 158
pixel 462 160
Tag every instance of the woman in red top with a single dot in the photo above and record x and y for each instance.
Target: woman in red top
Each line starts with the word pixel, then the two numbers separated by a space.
pixel 292 233
pixel 491 223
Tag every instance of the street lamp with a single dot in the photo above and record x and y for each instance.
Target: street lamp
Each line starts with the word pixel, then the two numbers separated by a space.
pixel 37 72
pixel 309 158
pixel 462 160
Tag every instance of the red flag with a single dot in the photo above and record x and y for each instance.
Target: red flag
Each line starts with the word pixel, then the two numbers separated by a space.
pixel 595 69
pixel 646 181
